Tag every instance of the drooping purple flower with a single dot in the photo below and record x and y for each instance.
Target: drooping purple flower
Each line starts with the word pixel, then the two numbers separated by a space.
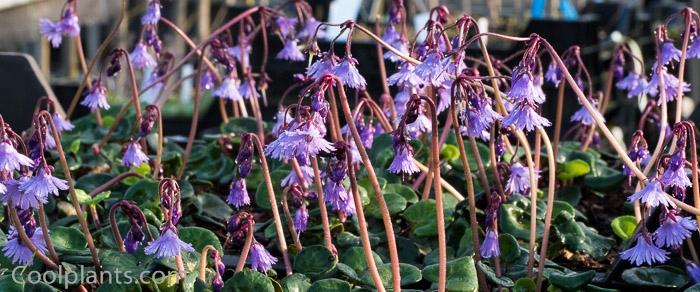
pixel 629 82
pixel 694 49
pixel 134 156
pixel 523 87
pixel 167 245
pixel 238 195
pixel 19 199
pixel 290 52
pixel 228 89
pixel 490 247
pixel 640 155
pixel 18 252
pixel 260 259
pixel 152 15
pixel 248 90
pixel 141 58
pixel 640 88
pixel 554 74
pixel 403 159
pixel 400 46
pixel 52 31
pixel 674 230
pixel 310 28
pixel 96 97
pixel 301 219
pixel 292 178
pixel 583 116
pixel 133 238
pixel 670 85
pixel 524 117
pixel 347 71
pixel 652 194
pixel 478 117
pixel 62 125
pixel 69 23
pixel 519 179
pixel 669 53
pixel 644 252
pixel 240 55
pixel 693 271
pixel 206 82
pixel 304 139
pixel 217 282
pixel 324 65
pixel 675 175
pixel 406 76
pixel 10 159
pixel 390 34
pixel 422 125
pixel 401 100
pixel 432 69
pixel 337 196
pixel 43 183
pixel 286 26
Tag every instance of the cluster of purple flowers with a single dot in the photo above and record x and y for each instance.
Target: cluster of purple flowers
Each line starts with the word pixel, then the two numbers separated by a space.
pixel 238 227
pixel 68 25
pixel 490 247
pixel 334 189
pixel 238 193
pixel 169 243
pixel 526 95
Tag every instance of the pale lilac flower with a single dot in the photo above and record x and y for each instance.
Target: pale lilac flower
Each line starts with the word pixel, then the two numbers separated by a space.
pixel 260 259
pixel 18 252
pixel 238 195
pixel 554 74
pixel 400 46
pixel 141 58
pixel 346 70
pixel 644 252
pixel 301 219
pixel 96 97
pixel 694 49
pixel 43 183
pixel 324 65
pixel 478 117
pixel 652 194
pixel 406 76
pixel 248 90
pixel 422 125
pixel 152 15
pixel 304 139
pixel 286 26
pixel 292 178
pixel 19 199
pixel 401 100
pixel 282 117
pixel 49 141
pixel 228 89
pixel 240 55
pixel 62 125
pixel 52 31
pixel 669 53
pixel 524 117
pixel 629 82
pixel 583 116
pixel 134 156
pixel 490 247
pixel 310 28
pixel 390 34
pixel 670 85
pixel 519 179
pixel 674 230
pixel 69 23
pixel 444 95
pixel 167 245
pixel 640 88
pixel 338 197
pixel 290 52
pixel 10 159
pixel 675 174
pixel 524 88
pixel 403 159
pixel 432 69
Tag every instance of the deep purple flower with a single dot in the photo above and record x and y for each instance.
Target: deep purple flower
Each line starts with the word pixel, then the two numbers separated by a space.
pixel 228 89
pixel 152 15
pixel 238 195
pixel 69 23
pixel 310 28
pixel 290 52
pixel 62 125
pixel 644 252
pixel 524 117
pixel 670 85
pixel 675 175
pixel 18 252
pixel 134 156
pixel 248 90
pixel 693 271
pixel 490 247
pixel 206 81
pixel 301 219
pixel 403 159
pixel 406 76
pixel 652 194
pixel 286 26
pixel 519 179
pixel 674 230
pixel 141 58
pixel 10 159
pixel 167 245
pixel 432 69
pixel 639 154
pixel 478 117
pixel 554 74
pixel 52 31
pixel 217 281
pixel 669 53
pixel 96 97
pixel 304 139
pixel 524 88
pixel 43 183
pixel 133 238
pixel 347 71
pixel 260 259
pixel 324 65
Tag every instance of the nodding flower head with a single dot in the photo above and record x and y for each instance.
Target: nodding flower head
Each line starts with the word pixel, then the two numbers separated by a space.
pixel 301 219
pixel 406 76
pixel 217 281
pixel 52 31
pixel 583 116
pixel 206 81
pixel 96 97
pixel 228 89
pixel 525 117
pixel 168 244
pixel 244 159
pixel 238 225
pixel 311 27
pixel 644 252
pixel 554 74
pixel 519 179
pixel 10 159
pixel 15 249
pixel 478 116
pixel 652 194
pixel 303 139
pixel 62 124
pixel 336 194
pixel 141 58
pixel 403 156
pixel 490 247
pixel 639 153
pixel 669 53
pixel 135 236
pixel 693 270
pixel 260 259
pixel 238 195
pixel 347 71
pixel 14 194
pixel 248 89
pixel 523 87
pixel 292 178
pixel 694 49
pixel 285 26
pixel 674 230
pixel 152 15
pixel 290 52
pixel 323 66
pixel 618 64
pixel 134 156
pixel 432 69
pixel 671 83
pixel 675 175
pixel 43 183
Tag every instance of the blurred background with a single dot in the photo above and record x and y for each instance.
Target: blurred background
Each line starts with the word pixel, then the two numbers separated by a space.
pixel 596 26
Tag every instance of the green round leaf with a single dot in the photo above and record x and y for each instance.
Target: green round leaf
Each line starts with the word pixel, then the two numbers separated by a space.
pixel 624 226
pixel 409 275
pixel 656 277
pixel 571 281
pixel 325 285
pixel 199 238
pixel 314 260
pixel 573 169
pixel 68 237
pixel 354 257
pixel 247 281
pixel 295 283
pixel 461 274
